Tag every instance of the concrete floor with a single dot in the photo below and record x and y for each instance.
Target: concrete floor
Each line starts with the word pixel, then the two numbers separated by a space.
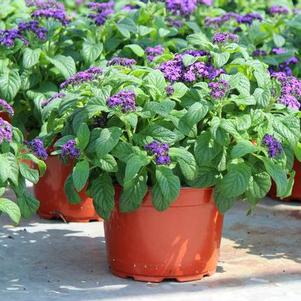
pixel 49 260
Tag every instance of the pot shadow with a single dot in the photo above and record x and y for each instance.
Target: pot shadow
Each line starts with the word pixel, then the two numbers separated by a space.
pixel 273 231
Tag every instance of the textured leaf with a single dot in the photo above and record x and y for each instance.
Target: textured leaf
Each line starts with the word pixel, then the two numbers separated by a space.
pixel 80 175
pixel 91 51
pixel 10 84
pixel 65 65
pixel 11 209
pixel 31 57
pixel 242 148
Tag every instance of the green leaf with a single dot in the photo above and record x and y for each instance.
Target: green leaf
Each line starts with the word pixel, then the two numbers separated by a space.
pixel 156 79
pixel 91 51
pixel 83 136
pixel 132 196
pixel 28 204
pixel 31 57
pixel 241 83
pixel 10 84
pixel 29 174
pixel 278 174
pixel 193 116
pixel 236 181
pixel 11 209
pixel 102 191
pixel 9 168
pixel 188 59
pixel 136 49
pixel 222 201
pixel 220 59
pixel 186 161
pixel 133 167
pixel 166 188
pixel 200 39
pixel 65 64
pixel 279 40
pixel 108 139
pixel 259 186
pixel 242 148
pixel 80 175
pixel 70 191
pixel 162 108
pixel 180 90
pixel 40 163
pixel 206 177
pixel 108 163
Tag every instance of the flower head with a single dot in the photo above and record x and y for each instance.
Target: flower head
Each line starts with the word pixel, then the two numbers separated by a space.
pixel 46 102
pixel 278 10
pixel 249 18
pixel 152 52
pixel 259 52
pixel 160 151
pixel 44 4
pixel 126 100
pixel 6 107
pixel 103 10
pixel 6 131
pixel 69 150
pixel 33 26
pixel 170 90
pixel 273 145
pixel 122 61
pixel 82 76
pixel 52 13
pixel 218 89
pixel 37 147
pixel 223 37
pixel 181 7
pixel 8 37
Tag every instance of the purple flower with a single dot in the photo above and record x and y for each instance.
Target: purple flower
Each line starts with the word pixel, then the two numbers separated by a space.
pixel 278 10
pixel 33 26
pixel 259 52
pixel 46 102
pixel 9 36
pixel 170 90
pixel 278 51
pixel 174 70
pixel 130 7
pixel 181 7
pixel 6 131
pixel 160 151
pixel 6 107
pixel 44 4
pixel 126 100
pixel 152 52
pixel 206 2
pixel 122 61
pixel 223 37
pixel 175 23
pixel 249 18
pixel 273 145
pixel 289 101
pixel 82 76
pixel 196 53
pixel 103 10
pixel 218 89
pixel 37 147
pixel 69 150
pixel 52 13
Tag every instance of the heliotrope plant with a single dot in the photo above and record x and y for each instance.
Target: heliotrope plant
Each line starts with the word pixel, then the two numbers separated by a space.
pixel 203 118
pixel 15 161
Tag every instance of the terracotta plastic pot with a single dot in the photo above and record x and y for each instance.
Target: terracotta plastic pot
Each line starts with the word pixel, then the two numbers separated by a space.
pixel 296 192
pixel 180 243
pixel 53 201
pixel 5 116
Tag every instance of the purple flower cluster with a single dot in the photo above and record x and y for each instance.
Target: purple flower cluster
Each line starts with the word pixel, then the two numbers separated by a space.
pixel 126 100
pixel 52 13
pixel 259 52
pixel 122 61
pixel 181 7
pixel 170 90
pixel 290 90
pixel 223 37
pixel 278 51
pixel 218 89
pixel 175 23
pixel 278 10
pixel 103 10
pixel 160 151
pixel 241 19
pixel 6 131
pixel 46 102
pixel 8 37
pixel 152 52
pixel 273 145
pixel 174 70
pixel 37 147
pixel 33 26
pixel 82 76
pixel 6 107
pixel 69 150
pixel 44 4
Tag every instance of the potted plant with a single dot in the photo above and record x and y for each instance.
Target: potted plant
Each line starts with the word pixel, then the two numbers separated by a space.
pixel 179 142
pixel 14 171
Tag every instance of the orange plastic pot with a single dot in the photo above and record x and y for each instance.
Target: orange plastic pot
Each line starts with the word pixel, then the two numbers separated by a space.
pixel 180 243
pixel 53 201
pixel 5 116
pixel 296 192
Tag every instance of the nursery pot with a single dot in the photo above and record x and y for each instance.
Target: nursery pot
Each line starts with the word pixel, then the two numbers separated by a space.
pixel 296 192
pixel 53 201
pixel 180 243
